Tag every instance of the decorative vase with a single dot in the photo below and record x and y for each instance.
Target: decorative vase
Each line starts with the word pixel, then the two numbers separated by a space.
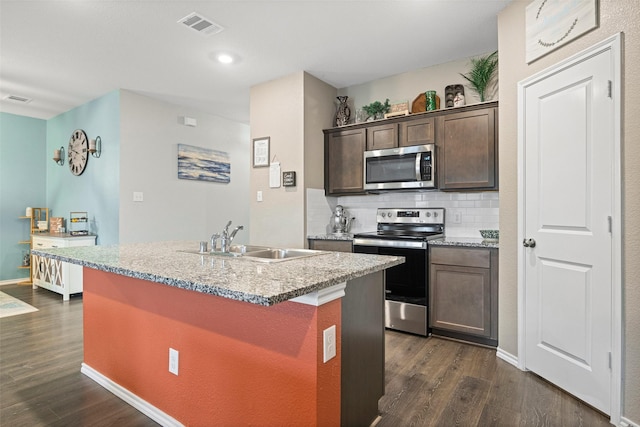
pixel 344 113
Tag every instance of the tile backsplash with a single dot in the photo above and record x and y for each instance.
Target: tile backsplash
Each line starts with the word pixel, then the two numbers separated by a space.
pixel 466 213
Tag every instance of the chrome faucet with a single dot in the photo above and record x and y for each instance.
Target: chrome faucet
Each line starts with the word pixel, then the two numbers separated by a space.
pixel 226 238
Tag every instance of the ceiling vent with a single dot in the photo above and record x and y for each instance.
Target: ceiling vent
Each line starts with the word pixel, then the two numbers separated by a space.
pixel 201 24
pixel 16 98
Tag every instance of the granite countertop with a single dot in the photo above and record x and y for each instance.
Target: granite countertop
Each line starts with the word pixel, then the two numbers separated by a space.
pixel 339 236
pixel 235 278
pixel 470 242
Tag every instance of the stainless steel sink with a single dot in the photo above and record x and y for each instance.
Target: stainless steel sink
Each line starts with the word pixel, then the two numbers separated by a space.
pixel 195 251
pixel 243 249
pixel 261 253
pixel 277 255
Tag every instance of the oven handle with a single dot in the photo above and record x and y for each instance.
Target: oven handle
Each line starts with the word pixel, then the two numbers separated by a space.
pixel 389 243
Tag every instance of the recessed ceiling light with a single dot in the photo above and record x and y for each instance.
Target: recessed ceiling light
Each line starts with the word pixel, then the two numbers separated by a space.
pixel 225 58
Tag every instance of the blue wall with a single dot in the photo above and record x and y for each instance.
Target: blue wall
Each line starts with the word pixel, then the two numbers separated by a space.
pixel 22 183
pixel 97 190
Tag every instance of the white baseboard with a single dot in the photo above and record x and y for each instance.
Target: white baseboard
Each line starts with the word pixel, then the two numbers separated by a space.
pixel 140 404
pixel 12 281
pixel 507 357
pixel 626 422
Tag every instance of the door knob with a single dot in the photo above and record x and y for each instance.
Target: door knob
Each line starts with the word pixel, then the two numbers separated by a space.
pixel 529 243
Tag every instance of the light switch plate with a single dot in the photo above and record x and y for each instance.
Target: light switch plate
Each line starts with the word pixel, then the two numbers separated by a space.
pixel 174 361
pixel 329 343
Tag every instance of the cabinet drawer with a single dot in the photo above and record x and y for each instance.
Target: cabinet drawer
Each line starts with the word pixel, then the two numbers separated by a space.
pixel 39 243
pixel 461 256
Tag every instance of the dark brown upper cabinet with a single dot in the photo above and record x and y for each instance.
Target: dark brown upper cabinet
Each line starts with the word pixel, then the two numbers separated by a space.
pixel 417 132
pixel 382 136
pixel 344 161
pixel 413 131
pixel 465 137
pixel 467 150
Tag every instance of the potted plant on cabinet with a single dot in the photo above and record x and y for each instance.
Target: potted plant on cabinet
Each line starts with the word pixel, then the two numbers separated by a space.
pixel 376 109
pixel 482 73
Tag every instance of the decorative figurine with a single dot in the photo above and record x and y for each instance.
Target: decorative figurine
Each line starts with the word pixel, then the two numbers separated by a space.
pixel 344 113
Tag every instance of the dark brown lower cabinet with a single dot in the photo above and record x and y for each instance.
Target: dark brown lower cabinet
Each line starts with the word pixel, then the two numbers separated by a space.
pixel 331 245
pixel 362 337
pixel 363 353
pixel 463 293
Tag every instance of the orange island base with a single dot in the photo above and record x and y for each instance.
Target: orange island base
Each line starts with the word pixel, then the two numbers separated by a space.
pixel 247 338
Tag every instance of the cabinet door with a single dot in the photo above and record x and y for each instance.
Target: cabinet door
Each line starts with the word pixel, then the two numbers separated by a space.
pixel 344 159
pixel 331 245
pixel 467 150
pixel 382 136
pixel 417 132
pixel 47 271
pixel 460 299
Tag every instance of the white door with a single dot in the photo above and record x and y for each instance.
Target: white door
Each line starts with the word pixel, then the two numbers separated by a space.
pixel 567 184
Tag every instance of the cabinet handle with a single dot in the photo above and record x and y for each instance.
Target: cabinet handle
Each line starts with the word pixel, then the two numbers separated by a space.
pixel 529 243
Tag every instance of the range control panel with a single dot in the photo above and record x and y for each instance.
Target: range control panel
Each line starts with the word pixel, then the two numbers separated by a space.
pixel 411 216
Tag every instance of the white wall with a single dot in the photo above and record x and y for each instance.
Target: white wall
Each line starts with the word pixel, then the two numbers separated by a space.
pixel 176 209
pixel 407 86
pixel 292 111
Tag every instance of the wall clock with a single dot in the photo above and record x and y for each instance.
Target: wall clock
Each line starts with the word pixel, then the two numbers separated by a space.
pixel 78 152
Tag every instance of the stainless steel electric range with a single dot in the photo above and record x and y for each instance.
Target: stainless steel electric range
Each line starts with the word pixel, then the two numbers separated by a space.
pixel 405 232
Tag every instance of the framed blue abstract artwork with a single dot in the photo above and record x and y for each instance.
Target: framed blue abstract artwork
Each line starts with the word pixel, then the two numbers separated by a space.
pixel 203 164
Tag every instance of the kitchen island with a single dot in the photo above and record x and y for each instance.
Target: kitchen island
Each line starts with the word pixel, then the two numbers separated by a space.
pixel 249 334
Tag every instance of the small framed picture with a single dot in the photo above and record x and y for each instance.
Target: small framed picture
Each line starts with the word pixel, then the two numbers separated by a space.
pixel 289 179
pixel 261 152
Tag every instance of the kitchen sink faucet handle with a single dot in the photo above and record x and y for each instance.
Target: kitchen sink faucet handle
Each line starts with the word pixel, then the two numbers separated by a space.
pixel 214 238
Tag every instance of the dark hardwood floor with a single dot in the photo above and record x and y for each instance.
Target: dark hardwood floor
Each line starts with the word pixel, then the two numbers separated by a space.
pixel 429 382
pixel 439 382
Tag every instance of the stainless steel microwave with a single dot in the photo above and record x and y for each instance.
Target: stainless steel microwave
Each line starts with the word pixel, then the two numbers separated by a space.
pixel 403 168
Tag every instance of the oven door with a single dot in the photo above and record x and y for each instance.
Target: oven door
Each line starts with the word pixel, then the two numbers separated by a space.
pixel 405 288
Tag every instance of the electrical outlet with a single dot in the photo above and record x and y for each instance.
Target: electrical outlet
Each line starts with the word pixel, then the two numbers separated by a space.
pixel 174 361
pixel 457 218
pixel 138 196
pixel 329 343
